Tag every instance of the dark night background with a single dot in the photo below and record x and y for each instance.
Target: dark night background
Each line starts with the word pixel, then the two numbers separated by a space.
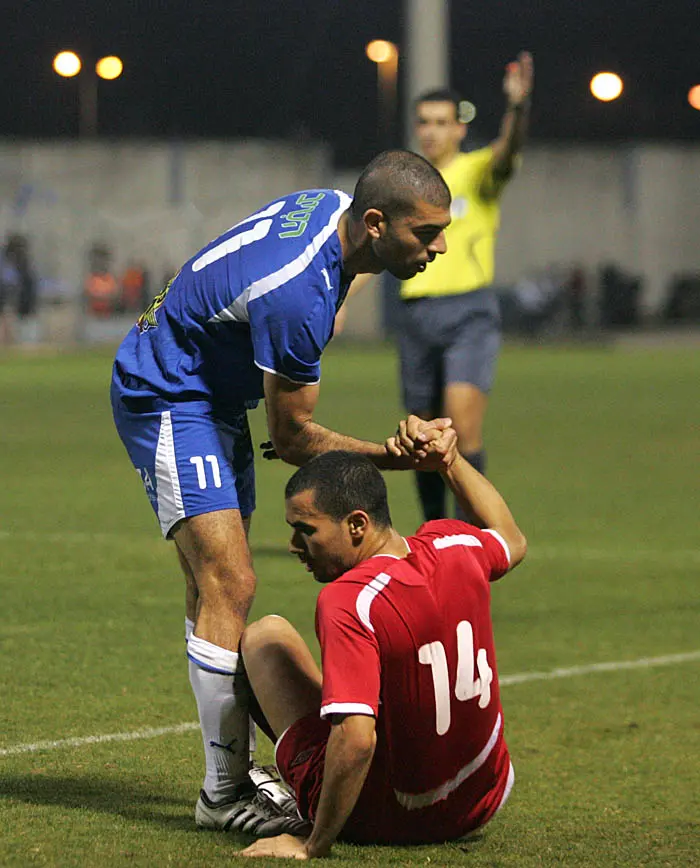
pixel 278 68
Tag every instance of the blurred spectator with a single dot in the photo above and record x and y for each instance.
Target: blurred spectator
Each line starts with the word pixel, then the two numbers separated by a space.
pixel 539 299
pixel 101 287
pixel 576 298
pixel 619 297
pixel 135 294
pixel 18 295
pixel 683 302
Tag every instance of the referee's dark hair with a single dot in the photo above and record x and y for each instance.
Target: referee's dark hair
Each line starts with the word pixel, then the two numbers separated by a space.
pixel 394 181
pixel 341 483
pixel 465 111
pixel 443 94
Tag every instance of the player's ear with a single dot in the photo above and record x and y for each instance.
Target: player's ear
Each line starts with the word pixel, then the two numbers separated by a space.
pixel 373 219
pixel 358 523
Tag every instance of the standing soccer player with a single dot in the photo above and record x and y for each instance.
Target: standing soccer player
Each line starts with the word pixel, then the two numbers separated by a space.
pixel 450 333
pixel 400 741
pixel 248 317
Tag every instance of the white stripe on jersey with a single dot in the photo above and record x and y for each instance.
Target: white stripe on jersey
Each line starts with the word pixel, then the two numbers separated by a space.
pixel 366 597
pixel 496 535
pixel 457 539
pixel 231 245
pixel 467 539
pixel 414 801
pixel 238 310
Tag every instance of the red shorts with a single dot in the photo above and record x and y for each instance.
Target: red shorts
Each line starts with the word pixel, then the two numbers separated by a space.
pixel 378 818
pixel 300 753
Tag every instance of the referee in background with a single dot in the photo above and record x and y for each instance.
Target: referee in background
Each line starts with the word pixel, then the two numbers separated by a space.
pixel 450 330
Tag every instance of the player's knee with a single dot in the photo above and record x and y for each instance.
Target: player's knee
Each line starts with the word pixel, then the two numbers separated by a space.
pixel 468 427
pixel 469 441
pixel 267 631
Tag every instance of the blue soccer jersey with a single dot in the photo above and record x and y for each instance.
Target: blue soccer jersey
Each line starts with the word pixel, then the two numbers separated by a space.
pixel 261 297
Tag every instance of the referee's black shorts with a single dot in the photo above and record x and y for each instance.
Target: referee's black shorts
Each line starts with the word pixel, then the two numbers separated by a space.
pixel 447 339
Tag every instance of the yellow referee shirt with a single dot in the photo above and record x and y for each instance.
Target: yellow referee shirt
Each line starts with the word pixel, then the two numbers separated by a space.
pixel 471 236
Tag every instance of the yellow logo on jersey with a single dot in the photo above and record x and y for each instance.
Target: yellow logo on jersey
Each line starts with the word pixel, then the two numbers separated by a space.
pixel 148 319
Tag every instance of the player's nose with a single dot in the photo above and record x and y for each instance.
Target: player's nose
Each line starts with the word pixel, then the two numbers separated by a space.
pixel 438 244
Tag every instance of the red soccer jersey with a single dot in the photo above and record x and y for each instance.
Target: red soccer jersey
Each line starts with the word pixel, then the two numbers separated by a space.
pixel 410 642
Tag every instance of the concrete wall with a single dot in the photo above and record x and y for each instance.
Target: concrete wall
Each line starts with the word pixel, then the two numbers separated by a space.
pixel 636 207
pixel 150 201
pixel 158 202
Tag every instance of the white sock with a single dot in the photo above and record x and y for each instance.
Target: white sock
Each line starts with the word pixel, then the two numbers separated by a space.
pixel 222 701
pixel 252 740
pixel 189 629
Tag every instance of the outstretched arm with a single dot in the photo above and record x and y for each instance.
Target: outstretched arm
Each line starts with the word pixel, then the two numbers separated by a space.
pixel 474 493
pixel 297 438
pixel 517 86
pixel 480 499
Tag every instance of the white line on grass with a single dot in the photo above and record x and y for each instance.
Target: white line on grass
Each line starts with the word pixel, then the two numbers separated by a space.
pixel 613 666
pixel 151 732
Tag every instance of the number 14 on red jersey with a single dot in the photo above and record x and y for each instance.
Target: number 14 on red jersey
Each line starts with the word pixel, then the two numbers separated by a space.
pixel 466 686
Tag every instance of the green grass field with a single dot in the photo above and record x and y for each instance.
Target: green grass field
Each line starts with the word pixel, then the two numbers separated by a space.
pixel 596 451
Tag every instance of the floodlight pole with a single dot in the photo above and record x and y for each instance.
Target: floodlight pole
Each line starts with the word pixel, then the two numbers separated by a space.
pixel 87 100
pixel 427 51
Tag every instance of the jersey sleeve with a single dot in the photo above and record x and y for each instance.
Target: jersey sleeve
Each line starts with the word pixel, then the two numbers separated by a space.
pixel 349 654
pixel 290 328
pixel 486 184
pixel 487 546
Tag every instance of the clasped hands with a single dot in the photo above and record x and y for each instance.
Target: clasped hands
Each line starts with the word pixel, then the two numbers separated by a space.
pixel 425 445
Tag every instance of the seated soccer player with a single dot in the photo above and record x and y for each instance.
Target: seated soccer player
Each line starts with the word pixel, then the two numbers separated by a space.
pixel 400 740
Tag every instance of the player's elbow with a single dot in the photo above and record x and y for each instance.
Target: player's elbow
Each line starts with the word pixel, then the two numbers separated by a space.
pixel 365 744
pixel 359 737
pixel 517 544
pixel 285 440
pixel 284 450
pixel 290 440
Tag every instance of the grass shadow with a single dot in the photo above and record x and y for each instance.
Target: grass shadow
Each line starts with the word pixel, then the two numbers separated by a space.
pixel 135 801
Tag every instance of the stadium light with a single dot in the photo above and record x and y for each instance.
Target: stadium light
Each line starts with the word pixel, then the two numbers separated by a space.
pixel 386 55
pixel 694 96
pixel 67 64
pixel 381 51
pixel 606 86
pixel 109 68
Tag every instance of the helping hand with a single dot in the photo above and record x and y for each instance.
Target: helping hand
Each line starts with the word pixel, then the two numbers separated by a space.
pixel 430 445
pixel 281 847
pixel 518 80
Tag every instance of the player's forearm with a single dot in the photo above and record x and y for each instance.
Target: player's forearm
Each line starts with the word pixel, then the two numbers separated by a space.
pixel 344 774
pixel 480 499
pixel 301 442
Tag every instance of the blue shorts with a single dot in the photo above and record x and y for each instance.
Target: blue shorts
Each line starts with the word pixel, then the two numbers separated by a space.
pixel 189 461
pixel 447 339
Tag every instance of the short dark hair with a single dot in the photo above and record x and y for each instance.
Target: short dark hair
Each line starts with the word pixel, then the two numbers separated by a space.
pixel 443 94
pixel 341 483
pixel 394 181
pixel 465 111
